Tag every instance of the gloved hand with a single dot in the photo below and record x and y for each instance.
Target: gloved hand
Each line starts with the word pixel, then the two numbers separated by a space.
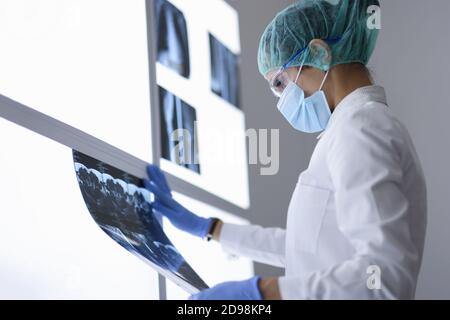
pixel 164 204
pixel 236 290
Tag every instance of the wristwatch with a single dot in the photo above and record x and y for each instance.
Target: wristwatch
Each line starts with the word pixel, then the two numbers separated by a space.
pixel 212 227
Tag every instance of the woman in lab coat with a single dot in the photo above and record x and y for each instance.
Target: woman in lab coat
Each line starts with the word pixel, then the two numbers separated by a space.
pixel 357 218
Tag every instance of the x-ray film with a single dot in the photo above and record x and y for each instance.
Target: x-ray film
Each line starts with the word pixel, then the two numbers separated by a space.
pixel 121 207
pixel 179 142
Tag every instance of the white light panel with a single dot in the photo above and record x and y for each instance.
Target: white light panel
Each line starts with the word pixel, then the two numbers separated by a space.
pixel 50 247
pixel 82 62
pixel 221 126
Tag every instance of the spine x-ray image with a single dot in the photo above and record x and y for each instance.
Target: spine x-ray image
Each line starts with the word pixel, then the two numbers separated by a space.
pixel 178 131
pixel 120 205
pixel 172 38
pixel 225 80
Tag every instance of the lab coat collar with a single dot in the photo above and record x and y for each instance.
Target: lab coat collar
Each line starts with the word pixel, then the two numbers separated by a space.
pixel 355 99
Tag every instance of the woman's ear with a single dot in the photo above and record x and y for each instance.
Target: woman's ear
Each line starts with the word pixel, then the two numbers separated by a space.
pixel 320 52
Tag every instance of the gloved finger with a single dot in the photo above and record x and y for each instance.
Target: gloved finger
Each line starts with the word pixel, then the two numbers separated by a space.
pixel 155 173
pixel 158 205
pixel 165 210
pixel 162 197
pixel 158 216
pixel 155 178
pixel 153 188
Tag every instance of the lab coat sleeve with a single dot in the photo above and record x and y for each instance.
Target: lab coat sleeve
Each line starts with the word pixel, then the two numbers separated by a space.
pixel 371 211
pixel 265 245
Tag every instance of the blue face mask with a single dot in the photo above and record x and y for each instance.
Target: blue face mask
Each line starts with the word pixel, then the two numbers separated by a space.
pixel 308 115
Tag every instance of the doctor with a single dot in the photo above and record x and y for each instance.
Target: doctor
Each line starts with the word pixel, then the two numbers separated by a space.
pixel 357 218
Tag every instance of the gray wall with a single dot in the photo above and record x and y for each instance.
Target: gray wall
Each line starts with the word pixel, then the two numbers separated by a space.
pixel 412 62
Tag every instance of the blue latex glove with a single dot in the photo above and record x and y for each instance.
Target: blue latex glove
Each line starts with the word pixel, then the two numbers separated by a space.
pixel 157 176
pixel 236 290
pixel 164 204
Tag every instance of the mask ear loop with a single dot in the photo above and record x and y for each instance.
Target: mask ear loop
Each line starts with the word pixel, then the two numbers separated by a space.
pixel 298 74
pixel 301 67
pixel 324 79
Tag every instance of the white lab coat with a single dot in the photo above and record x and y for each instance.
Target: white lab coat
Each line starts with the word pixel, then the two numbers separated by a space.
pixel 360 203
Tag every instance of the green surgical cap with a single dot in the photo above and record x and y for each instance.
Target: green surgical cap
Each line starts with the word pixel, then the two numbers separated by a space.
pixel 294 28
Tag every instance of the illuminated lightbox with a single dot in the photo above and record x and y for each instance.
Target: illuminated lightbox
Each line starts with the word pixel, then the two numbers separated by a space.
pixel 50 246
pixel 197 70
pixel 82 62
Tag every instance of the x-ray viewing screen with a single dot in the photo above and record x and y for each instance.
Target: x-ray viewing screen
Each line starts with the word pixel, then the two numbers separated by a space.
pixel 82 62
pixel 225 80
pixel 203 133
pixel 120 205
pixel 178 131
pixel 172 38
